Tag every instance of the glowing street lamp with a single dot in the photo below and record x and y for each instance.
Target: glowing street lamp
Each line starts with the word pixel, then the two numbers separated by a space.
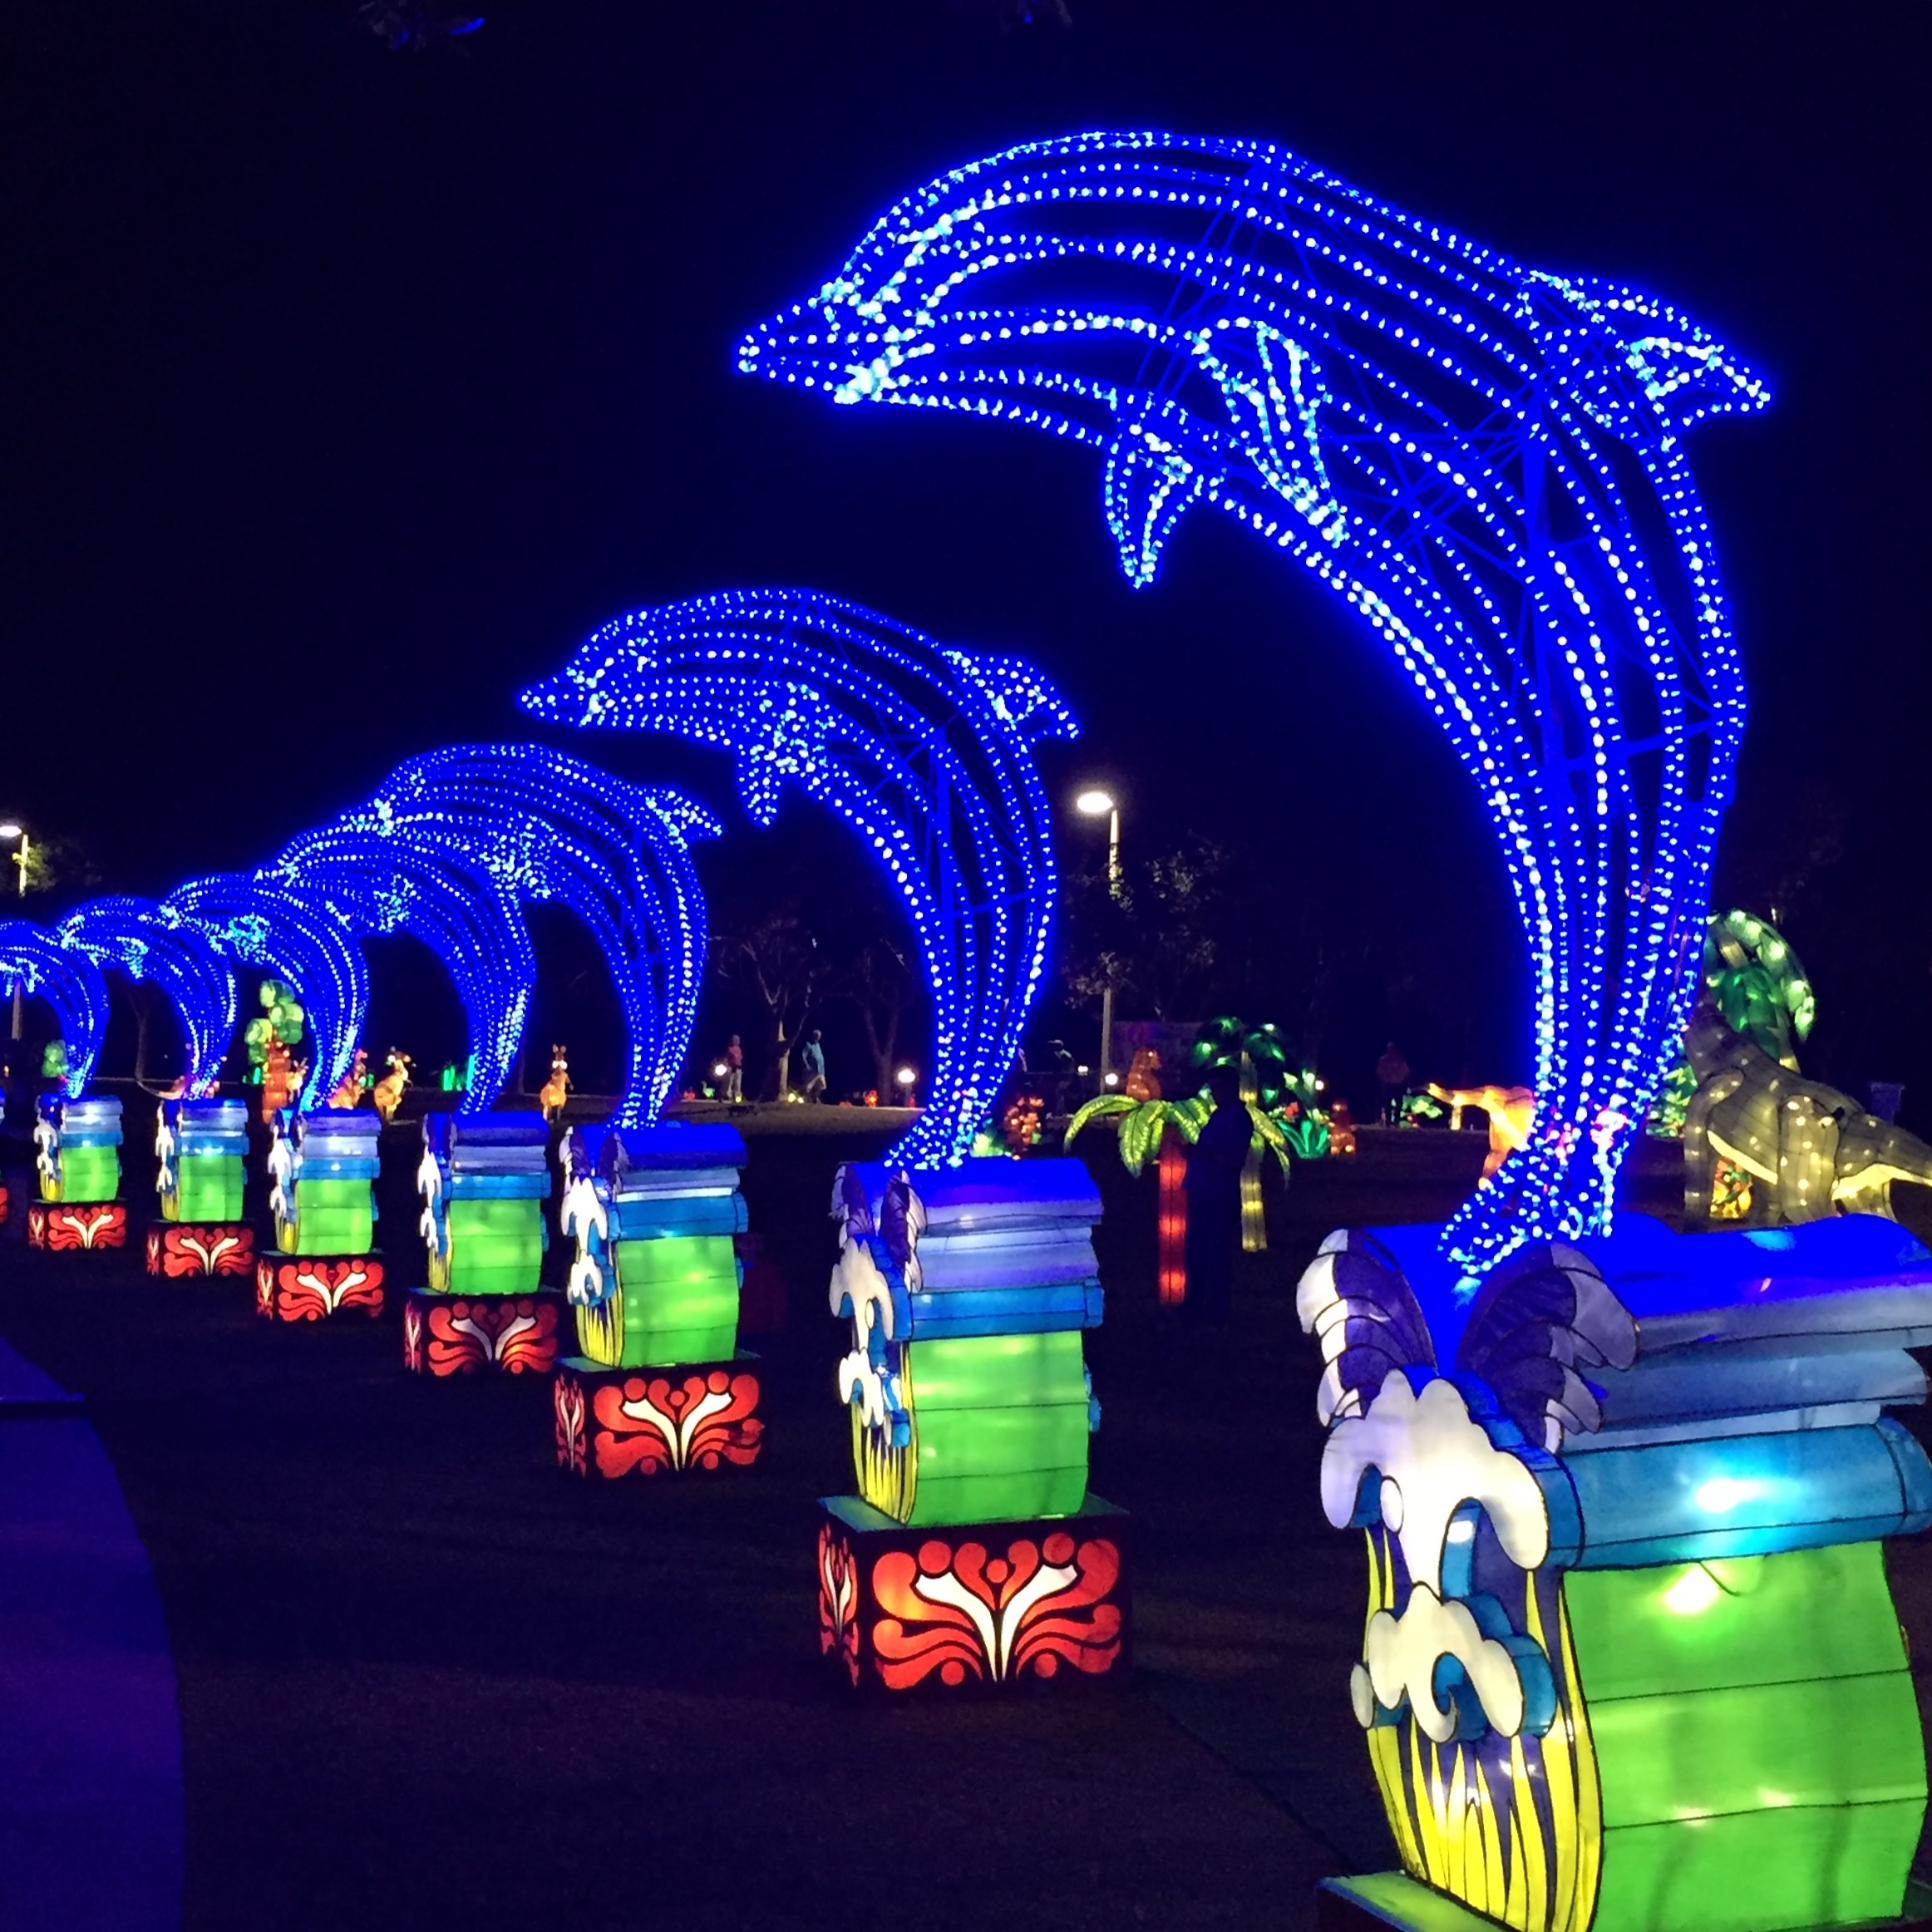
pixel 904 1078
pixel 1096 803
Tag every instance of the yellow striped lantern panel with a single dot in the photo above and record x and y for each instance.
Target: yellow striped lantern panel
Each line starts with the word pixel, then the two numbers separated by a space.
pixel 1631 1661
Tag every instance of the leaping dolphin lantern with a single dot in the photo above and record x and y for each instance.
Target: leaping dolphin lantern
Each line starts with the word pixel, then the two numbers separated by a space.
pixel 1486 460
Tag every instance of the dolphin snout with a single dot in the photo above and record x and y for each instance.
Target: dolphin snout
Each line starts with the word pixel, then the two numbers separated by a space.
pixel 554 697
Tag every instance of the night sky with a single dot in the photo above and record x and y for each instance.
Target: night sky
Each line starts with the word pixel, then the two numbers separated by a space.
pixel 346 390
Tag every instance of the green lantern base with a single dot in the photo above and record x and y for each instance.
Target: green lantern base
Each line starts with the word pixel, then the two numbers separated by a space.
pixel 1393 1899
pixel 973 1606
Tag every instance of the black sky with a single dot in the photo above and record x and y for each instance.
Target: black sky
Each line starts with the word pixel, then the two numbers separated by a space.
pixel 341 391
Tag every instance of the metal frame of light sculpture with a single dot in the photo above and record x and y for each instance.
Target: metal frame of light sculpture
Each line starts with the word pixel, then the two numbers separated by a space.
pixel 33 959
pixel 541 824
pixel 387 885
pixel 1485 461
pixel 148 944
pixel 926 752
pixel 295 937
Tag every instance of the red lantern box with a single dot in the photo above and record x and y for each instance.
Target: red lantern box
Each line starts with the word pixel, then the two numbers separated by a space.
pixel 693 1415
pixel 973 1606
pixel 487 1334
pixel 178 1250
pixel 63 1229
pixel 315 1287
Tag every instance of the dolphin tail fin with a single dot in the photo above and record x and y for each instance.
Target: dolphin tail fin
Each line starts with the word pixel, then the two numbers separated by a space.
pixel 1273 392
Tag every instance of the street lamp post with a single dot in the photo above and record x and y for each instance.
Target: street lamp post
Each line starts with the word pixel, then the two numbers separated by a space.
pixel 10 830
pixel 1094 803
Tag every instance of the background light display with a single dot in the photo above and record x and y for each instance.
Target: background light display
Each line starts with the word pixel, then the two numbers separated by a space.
pixel 35 961
pixel 536 823
pixel 1486 461
pixel 296 939
pixel 149 945
pixel 926 752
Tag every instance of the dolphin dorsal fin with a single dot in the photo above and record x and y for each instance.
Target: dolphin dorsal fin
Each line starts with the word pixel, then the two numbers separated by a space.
pixel 1273 392
pixel 1157 468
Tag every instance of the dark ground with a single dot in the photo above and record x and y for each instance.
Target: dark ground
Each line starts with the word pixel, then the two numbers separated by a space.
pixel 426 1681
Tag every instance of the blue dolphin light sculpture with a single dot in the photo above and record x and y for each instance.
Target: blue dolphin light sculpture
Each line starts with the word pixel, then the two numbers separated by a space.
pixel 926 752
pixel 34 960
pixel 148 944
pixel 294 938
pixel 536 823
pixel 1487 463
pixel 433 893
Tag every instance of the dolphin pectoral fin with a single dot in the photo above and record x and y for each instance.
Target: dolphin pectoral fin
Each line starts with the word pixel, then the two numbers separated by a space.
pixel 1155 472
pixel 1635 363
pixel 1273 392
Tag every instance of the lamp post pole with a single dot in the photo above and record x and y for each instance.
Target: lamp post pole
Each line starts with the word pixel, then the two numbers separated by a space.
pixel 1092 803
pixel 14 831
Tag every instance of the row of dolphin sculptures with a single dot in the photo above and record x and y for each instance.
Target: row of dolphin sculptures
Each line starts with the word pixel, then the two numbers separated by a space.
pixel 1486 460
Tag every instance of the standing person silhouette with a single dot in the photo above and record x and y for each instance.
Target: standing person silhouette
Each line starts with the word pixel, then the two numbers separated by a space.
pixel 734 1079
pixel 811 1059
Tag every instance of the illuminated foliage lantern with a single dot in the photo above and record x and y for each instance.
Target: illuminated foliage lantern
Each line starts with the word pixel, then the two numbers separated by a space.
pixel 166 951
pixel 535 824
pixel 1632 1664
pixel 926 752
pixel 1486 462
pixel 378 883
pixel 298 939
pixel 34 961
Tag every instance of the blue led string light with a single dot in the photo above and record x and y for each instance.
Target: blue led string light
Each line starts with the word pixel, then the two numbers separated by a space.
pixel 148 944
pixel 34 960
pixel 927 751
pixel 1487 463
pixel 432 891
pixel 292 938
pixel 538 825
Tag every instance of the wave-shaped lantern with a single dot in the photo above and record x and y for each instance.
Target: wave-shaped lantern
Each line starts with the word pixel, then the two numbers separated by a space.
pixel 1631 1660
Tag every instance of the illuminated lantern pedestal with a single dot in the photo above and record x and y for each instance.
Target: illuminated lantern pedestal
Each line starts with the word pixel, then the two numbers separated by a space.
pixel 77 1157
pixel 1633 1663
pixel 484 1183
pixel 201 1147
pixel 973 1555
pixel 322 1168
pixel 658 1385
